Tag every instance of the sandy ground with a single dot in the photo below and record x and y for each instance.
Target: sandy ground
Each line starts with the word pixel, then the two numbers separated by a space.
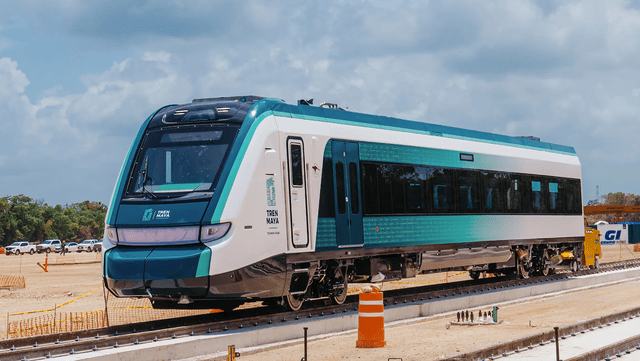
pixel 77 278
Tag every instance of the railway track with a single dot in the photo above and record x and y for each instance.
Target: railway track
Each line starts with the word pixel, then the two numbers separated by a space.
pixel 62 344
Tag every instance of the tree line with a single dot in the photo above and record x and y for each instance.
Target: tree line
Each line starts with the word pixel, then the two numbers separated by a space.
pixel 23 218
pixel 615 198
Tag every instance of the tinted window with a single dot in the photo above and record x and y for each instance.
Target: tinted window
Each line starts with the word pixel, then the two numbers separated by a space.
pixel 537 195
pixel 442 190
pixel 492 195
pixel 354 191
pixel 468 195
pixel 296 165
pixel 555 202
pixel 513 193
pixel 384 188
pixel 340 188
pixel 327 205
pixel 370 188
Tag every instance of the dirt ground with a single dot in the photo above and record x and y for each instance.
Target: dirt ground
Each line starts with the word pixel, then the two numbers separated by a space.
pixel 74 281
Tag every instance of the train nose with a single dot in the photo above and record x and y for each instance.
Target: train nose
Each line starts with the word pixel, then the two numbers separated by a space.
pixel 164 272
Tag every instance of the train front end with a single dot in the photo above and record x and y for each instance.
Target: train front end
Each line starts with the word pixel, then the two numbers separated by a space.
pixel 160 228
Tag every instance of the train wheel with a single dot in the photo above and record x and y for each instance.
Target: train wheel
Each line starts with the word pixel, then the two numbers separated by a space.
pixel 574 265
pixel 340 285
pixel 293 302
pixel 544 267
pixel 523 269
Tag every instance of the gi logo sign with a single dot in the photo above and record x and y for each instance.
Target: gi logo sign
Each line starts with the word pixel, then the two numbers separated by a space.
pixel 271 192
pixel 148 214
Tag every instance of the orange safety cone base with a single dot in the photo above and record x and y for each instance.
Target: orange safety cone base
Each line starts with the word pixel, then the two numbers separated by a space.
pixel 370 343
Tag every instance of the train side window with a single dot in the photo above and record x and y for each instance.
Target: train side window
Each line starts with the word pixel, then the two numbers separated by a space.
pixel 327 203
pixel 353 188
pixel 573 196
pixel 370 188
pixel 415 189
pixel 384 188
pixel 537 195
pixel 468 195
pixel 296 165
pixel 442 190
pixel 555 203
pixel 493 199
pixel 340 188
pixel 513 193
pixel 397 188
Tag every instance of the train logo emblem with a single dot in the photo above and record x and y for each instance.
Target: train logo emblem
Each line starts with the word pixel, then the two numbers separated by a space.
pixel 148 214
pixel 271 192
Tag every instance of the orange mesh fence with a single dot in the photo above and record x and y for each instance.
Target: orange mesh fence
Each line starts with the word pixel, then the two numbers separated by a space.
pixel 55 323
pixel 11 281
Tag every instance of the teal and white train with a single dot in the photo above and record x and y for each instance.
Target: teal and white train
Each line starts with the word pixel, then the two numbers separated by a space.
pixel 226 200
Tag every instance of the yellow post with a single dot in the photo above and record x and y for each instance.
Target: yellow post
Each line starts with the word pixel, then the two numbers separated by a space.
pixel 232 353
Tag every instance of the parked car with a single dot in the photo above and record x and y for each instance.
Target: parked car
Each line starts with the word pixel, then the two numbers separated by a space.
pixel 88 245
pixel 98 246
pixel 20 247
pixel 70 246
pixel 48 245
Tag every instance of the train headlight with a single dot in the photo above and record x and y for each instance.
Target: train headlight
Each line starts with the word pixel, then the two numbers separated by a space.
pixel 213 232
pixel 111 235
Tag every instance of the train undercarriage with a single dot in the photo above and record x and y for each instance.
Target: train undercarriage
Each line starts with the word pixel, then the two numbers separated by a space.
pixel 330 278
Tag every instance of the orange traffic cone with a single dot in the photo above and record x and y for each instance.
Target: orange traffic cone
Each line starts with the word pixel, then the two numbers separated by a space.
pixel 371 319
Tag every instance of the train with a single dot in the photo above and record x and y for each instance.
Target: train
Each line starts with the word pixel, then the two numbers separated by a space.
pixel 229 200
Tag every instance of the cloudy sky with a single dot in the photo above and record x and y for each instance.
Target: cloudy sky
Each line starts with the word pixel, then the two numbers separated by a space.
pixel 77 78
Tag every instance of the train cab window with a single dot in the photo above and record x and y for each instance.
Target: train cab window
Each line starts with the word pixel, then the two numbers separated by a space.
pixel 468 195
pixel 513 194
pixel 340 192
pixel 442 185
pixel 493 199
pixel 353 188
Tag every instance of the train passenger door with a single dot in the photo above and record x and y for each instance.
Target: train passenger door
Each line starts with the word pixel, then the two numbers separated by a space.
pixel 297 193
pixel 346 180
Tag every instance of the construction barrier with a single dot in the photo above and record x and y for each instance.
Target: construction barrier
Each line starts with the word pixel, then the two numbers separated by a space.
pixel 371 319
pixel 7 282
pixel 56 323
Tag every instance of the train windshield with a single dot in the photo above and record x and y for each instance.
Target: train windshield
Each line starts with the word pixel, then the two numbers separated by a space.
pixel 174 161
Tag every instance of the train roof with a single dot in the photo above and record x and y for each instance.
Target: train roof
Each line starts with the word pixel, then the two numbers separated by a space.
pixel 251 108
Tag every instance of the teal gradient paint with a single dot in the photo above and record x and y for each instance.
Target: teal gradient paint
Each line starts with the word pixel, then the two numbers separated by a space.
pixel 326 234
pixel 394 231
pixel 158 263
pixel 204 263
pixel 126 263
